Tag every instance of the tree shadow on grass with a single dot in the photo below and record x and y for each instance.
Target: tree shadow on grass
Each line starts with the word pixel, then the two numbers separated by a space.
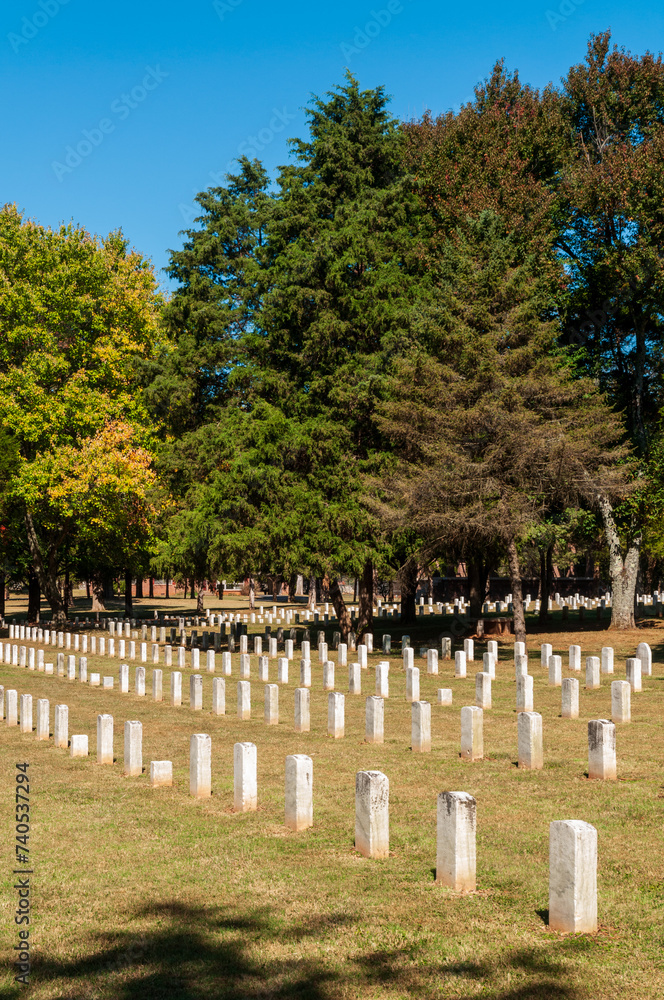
pixel 199 953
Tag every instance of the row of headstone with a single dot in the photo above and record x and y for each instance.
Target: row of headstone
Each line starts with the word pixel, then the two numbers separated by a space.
pixel 573 844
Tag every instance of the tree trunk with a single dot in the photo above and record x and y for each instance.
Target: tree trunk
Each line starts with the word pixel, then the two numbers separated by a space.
pixel 312 593
pixel 186 582
pixel 3 585
pixel 129 604
pixel 477 574
pixel 97 589
pixel 517 592
pixel 546 582
pixel 109 589
pixel 299 586
pixel 46 571
pixel 340 609
pixel 34 597
pixel 151 591
pixel 139 586
pixel 168 586
pixel 365 616
pixel 220 590
pixel 252 593
pixel 623 571
pixel 199 600
pixel 408 575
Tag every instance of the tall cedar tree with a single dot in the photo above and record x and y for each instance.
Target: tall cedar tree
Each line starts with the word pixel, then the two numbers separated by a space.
pixel 307 293
pixel 574 173
pixel 493 428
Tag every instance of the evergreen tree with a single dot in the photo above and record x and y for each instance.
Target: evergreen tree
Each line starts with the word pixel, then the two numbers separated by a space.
pixel 308 291
pixel 493 429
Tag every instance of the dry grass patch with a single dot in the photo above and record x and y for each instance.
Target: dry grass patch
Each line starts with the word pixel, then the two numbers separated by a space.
pixel 150 894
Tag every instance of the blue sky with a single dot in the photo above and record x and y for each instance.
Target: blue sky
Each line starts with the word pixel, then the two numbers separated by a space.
pixel 115 114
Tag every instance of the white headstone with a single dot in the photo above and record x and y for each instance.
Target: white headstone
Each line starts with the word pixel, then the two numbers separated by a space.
pixel 472 739
pixel 455 841
pixel 196 692
pixel 43 720
pixel 529 727
pixel 60 725
pixel 634 666
pixel 272 704
pixel 104 739
pixel 133 748
pixel 200 766
pixel 555 671
pixel 243 700
pixel 572 877
pixel 25 722
pixel 372 836
pixel 382 679
pixel 570 698
pixel 302 710
pixel 328 676
pixel 483 690
pixel 161 773
pixel 592 672
pixel 245 778
pixel 644 654
pixel 219 696
pixel 79 746
pixel 176 689
pixel 621 701
pixel 420 727
pixel 299 803
pixel 335 715
pixel 412 684
pixel 355 678
pixel 607 659
pixel 602 749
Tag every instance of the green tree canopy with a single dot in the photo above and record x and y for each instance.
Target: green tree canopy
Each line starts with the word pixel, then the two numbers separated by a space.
pixel 76 313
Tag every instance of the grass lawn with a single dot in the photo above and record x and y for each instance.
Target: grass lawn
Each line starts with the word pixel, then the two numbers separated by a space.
pixel 141 893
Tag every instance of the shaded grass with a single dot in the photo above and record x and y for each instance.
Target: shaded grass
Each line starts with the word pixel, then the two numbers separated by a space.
pixel 152 894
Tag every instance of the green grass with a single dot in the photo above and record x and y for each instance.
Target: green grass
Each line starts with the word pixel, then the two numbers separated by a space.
pixel 151 894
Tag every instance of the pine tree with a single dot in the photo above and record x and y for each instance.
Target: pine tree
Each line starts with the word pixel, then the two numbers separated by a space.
pixel 308 291
pixel 493 429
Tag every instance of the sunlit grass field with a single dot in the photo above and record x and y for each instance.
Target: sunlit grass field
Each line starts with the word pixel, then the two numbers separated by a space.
pixel 141 893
